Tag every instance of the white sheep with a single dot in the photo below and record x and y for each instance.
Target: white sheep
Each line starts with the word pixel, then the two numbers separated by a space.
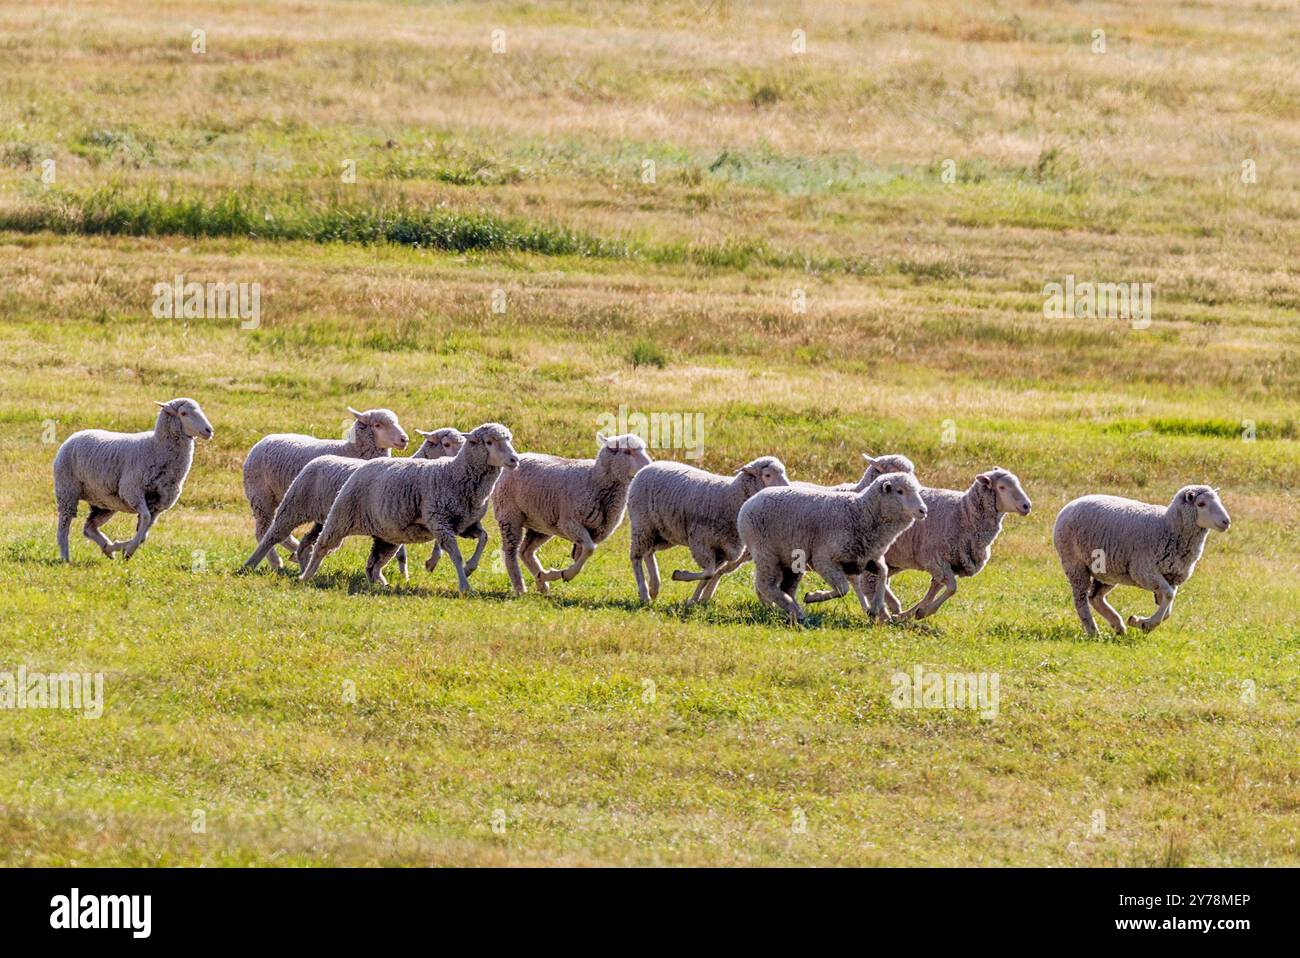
pixel 396 501
pixel 275 460
pixel 954 540
pixel 1105 541
pixel 580 500
pixel 673 504
pixel 438 444
pixel 308 499
pixel 139 472
pixel 838 534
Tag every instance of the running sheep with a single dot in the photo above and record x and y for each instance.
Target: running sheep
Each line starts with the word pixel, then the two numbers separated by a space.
pixel 397 501
pixel 954 541
pixel 838 534
pixel 275 460
pixel 139 472
pixel 308 499
pixel 673 504
pixel 438 444
pixel 1105 541
pixel 580 500
pixel 313 490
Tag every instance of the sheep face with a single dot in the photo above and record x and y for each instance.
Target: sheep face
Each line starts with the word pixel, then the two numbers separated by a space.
pixel 877 466
pixel 1210 513
pixel 900 495
pixel 625 455
pixel 193 423
pixel 444 443
pixel 768 470
pixel 383 425
pixel 1007 491
pixel 498 442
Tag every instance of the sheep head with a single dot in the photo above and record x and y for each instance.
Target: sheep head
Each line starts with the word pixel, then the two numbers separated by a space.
pixel 1205 504
pixel 623 455
pixel 764 471
pixel 188 415
pixel 382 426
pixel 877 466
pixel 444 442
pixel 493 440
pixel 1008 494
pixel 898 495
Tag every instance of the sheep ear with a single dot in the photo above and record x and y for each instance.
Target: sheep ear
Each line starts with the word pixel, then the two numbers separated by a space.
pixel 887 486
pixel 359 417
pixel 423 433
pixel 1189 496
pixel 984 479
pixel 870 460
pixel 602 439
pixel 162 405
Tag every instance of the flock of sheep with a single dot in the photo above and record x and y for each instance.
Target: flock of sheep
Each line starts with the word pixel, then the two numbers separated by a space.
pixel 855 536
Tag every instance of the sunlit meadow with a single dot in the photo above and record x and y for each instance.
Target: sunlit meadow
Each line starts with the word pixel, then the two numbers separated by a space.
pixel 827 229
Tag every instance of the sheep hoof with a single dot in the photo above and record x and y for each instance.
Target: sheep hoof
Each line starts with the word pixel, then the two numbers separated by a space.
pixel 430 564
pixel 681 575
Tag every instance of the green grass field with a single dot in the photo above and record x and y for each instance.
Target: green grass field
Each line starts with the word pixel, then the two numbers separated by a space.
pixel 331 723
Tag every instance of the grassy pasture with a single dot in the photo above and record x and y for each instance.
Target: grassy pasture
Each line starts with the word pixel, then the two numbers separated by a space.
pixel 586 729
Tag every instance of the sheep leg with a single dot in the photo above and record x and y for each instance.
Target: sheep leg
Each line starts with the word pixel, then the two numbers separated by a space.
pixel 534 540
pixel 481 534
pixel 936 584
pixel 65 526
pixel 891 600
pixel 263 519
pixel 1080 578
pixel 291 544
pixel 447 539
pixel 711 587
pixel 708 574
pixel 835 577
pixel 381 553
pixel 652 575
pixel 726 569
pixel 91 530
pixel 770 580
pixel 1097 599
pixel 1164 594
pixel 331 537
pixel 707 558
pixel 931 604
pixel 686 575
pixel 638 573
pixel 511 533
pixel 307 543
pixel 859 584
pixel 583 549
pixel 143 522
